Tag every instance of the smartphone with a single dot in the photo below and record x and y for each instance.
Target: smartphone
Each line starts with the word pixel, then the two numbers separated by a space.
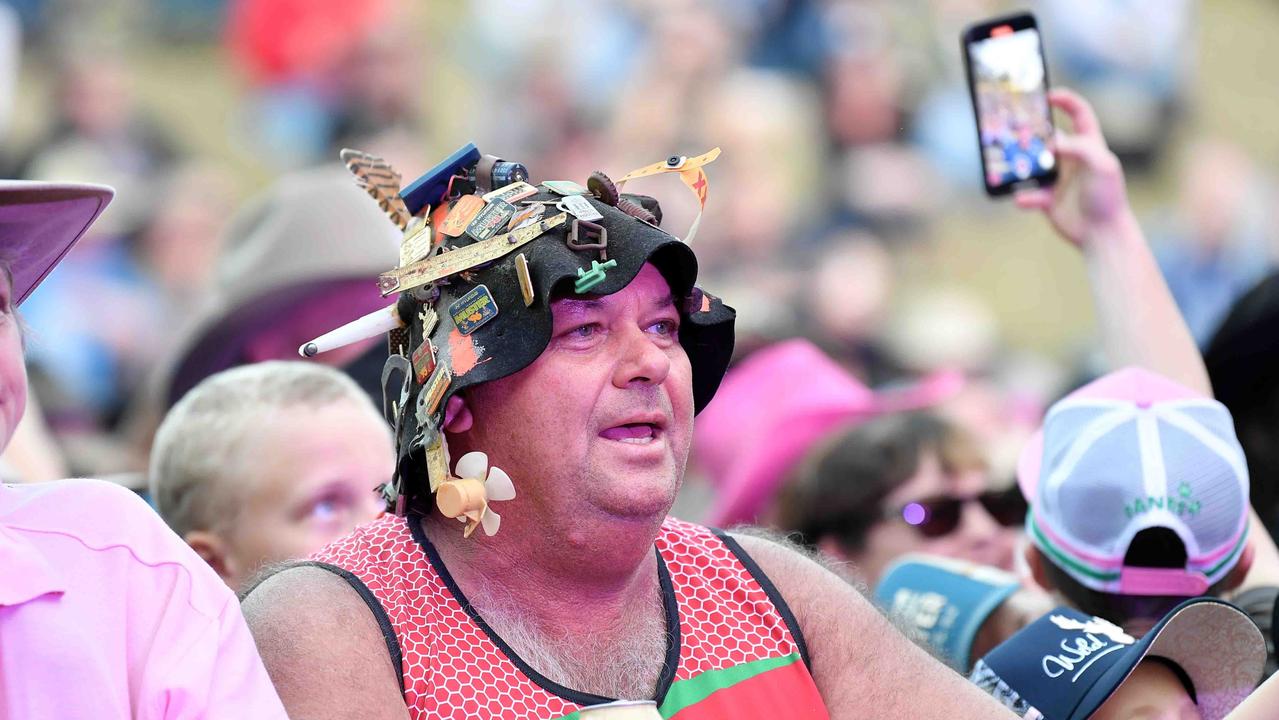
pixel 1008 82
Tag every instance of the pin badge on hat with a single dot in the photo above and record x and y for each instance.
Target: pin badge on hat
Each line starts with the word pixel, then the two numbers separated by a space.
pixel 580 208
pixel 473 309
pixel 424 361
pixel 429 318
pixel 512 193
pixel 527 216
pixel 464 210
pixel 437 461
pixel 417 241
pixel 525 279
pixel 490 220
pixel 564 187
pixel 434 390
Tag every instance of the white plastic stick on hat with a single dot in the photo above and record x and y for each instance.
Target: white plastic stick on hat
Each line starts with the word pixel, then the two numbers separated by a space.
pixel 378 322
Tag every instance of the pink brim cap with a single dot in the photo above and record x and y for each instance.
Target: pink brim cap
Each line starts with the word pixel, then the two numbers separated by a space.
pixel 40 223
pixel 1137 385
pixel 774 407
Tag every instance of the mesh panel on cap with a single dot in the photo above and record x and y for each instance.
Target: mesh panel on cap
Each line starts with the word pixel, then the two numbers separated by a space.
pixel 1062 429
pixel 1091 500
pixel 1203 490
pixel 1212 417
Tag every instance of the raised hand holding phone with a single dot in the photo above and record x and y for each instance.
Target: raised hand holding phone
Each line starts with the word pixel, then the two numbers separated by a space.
pixel 1090 195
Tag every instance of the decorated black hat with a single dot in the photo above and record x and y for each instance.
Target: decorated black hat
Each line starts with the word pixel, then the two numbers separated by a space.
pixel 478 271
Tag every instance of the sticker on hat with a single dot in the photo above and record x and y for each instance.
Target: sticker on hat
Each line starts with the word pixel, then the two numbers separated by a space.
pixel 473 309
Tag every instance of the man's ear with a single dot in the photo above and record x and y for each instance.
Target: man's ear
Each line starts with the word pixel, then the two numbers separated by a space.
pixel 1240 571
pixel 457 415
pixel 213 550
pixel 1035 561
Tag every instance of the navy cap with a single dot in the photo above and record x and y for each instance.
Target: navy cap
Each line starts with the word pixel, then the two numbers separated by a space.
pixel 1066 664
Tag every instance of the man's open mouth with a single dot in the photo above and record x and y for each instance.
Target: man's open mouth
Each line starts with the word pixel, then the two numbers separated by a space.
pixel 639 433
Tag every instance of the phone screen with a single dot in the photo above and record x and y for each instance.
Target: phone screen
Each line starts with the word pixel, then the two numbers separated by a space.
pixel 1010 98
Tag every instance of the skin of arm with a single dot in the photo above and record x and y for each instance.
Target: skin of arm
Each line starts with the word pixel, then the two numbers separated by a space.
pixel 322 647
pixel 1139 320
pixel 862 666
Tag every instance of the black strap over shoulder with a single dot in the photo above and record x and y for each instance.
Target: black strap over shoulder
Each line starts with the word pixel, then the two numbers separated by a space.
pixel 770 589
pixel 375 607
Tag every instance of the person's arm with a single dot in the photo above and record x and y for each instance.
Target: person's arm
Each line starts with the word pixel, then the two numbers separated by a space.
pixel 322 647
pixel 862 666
pixel 1139 321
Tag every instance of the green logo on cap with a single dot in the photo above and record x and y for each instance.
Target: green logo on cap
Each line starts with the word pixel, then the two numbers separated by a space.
pixel 1181 505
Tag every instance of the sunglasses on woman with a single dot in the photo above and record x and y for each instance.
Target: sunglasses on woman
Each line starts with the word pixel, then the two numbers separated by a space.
pixel 937 516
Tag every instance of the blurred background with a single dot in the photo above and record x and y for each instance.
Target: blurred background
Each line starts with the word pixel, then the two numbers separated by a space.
pixel 847 206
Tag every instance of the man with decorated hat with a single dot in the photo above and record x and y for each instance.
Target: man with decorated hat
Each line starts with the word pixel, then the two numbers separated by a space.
pixel 549 352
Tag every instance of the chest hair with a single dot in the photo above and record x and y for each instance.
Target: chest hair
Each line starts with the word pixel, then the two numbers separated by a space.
pixel 623 661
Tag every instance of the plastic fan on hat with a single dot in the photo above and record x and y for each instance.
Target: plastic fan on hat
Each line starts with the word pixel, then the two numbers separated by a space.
pixel 467 496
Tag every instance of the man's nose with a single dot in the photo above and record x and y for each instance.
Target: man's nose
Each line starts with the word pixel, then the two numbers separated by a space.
pixel 642 360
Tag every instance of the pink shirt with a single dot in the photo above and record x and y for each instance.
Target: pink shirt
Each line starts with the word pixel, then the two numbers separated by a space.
pixel 105 613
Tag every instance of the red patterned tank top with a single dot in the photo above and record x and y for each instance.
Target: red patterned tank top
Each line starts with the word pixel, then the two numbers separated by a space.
pixel 733 650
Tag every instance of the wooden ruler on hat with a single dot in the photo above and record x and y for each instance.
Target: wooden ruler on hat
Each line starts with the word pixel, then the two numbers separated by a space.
pixel 464 258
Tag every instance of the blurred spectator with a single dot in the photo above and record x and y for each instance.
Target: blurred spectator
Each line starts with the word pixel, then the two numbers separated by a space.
pixel 269 462
pixel 98 130
pixel 852 278
pixel 324 74
pixel 1132 59
pixel 1242 358
pixel 1218 240
pixel 296 261
pixel 95 587
pixel 1139 497
pixel 748 445
pixel 904 483
pixel 10 62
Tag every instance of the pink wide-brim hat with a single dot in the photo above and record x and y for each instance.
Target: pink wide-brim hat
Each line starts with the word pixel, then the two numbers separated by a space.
pixel 40 222
pixel 777 405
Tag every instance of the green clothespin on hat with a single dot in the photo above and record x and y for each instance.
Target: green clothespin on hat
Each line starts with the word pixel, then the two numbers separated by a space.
pixel 588 279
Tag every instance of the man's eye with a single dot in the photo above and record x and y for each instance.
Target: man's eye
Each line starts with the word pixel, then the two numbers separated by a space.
pixel 584 331
pixel 666 327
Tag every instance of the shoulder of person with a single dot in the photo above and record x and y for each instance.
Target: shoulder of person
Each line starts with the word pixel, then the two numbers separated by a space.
pixel 302 617
pixel 806 579
pixel 108 520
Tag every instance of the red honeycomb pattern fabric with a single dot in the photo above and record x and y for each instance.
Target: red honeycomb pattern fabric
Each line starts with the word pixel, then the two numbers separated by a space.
pixel 452 669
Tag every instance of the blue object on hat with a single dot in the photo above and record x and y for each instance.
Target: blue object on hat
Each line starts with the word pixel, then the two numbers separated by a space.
pixel 1066 664
pixel 429 189
pixel 945 600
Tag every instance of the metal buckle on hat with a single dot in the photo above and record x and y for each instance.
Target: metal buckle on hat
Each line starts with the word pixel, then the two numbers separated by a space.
pixel 586 235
